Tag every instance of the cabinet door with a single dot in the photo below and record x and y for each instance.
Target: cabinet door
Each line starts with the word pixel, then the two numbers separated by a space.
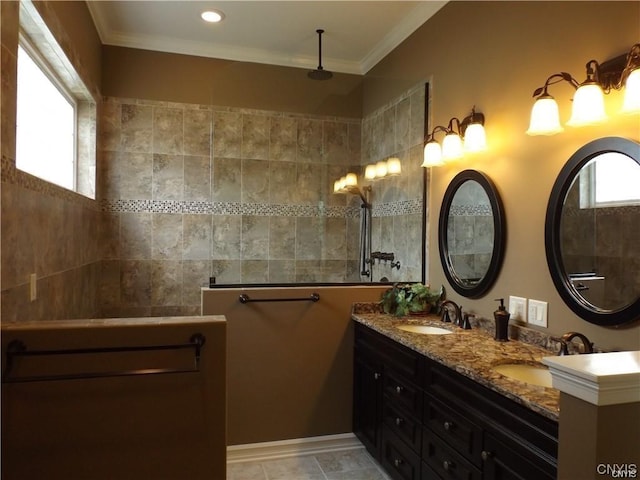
pixel 501 463
pixel 367 403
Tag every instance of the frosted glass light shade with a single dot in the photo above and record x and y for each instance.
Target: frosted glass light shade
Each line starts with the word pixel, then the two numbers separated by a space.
pixel 475 138
pixel 394 167
pixel 432 155
pixel 370 172
pixel 351 180
pixel 545 117
pixel 588 106
pixel 452 147
pixel 337 188
pixel 381 169
pixel 631 103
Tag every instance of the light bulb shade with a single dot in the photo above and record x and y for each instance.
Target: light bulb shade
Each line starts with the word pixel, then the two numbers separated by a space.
pixel 351 180
pixel 343 183
pixel 370 172
pixel 631 103
pixel 545 117
pixel 452 147
pixel 588 106
pixel 432 155
pixel 475 138
pixel 337 187
pixel 381 169
pixel 394 167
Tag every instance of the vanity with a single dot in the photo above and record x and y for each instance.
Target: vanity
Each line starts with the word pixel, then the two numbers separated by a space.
pixel 434 405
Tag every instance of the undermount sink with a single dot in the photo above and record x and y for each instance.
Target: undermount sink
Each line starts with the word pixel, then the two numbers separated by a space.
pixel 424 329
pixel 523 372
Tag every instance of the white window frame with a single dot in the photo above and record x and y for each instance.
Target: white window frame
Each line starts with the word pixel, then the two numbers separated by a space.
pixel 588 179
pixel 37 57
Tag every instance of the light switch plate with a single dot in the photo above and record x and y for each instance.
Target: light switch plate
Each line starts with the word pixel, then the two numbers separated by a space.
pixel 538 313
pixel 518 308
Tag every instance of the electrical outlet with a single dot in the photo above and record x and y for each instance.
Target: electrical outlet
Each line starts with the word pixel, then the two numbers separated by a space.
pixel 538 313
pixel 518 308
pixel 33 292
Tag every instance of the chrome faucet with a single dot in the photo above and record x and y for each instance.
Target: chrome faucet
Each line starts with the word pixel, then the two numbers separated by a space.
pixel 457 309
pixel 567 337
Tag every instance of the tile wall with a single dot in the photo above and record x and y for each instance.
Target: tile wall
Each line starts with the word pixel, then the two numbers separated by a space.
pixel 194 191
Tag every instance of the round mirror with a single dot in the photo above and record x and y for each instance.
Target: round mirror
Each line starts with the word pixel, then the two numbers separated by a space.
pixel 592 232
pixel 471 233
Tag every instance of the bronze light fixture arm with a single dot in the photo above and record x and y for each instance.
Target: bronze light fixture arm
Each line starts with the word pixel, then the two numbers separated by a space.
pixel 553 79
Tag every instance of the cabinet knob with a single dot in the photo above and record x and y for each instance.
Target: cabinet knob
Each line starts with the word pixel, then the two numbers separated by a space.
pixel 397 462
pixel 486 455
pixel 448 426
pixel 447 465
pixel 376 376
pixel 399 389
pixel 399 421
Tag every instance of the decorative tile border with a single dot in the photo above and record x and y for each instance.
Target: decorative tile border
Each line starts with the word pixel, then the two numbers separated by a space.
pixel 470 210
pixel 405 207
pixel 402 207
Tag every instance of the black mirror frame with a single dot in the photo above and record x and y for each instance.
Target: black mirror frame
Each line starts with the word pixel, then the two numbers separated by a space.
pixel 499 229
pixel 560 277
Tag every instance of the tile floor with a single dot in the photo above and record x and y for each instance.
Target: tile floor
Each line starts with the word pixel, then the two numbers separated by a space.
pixel 354 464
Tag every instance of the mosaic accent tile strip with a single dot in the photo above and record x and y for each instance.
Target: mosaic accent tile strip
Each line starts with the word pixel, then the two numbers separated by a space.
pixel 227 208
pixel 470 210
pixel 402 207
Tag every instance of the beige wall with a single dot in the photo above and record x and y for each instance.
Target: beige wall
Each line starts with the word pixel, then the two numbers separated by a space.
pixel 289 364
pixel 133 73
pixel 493 55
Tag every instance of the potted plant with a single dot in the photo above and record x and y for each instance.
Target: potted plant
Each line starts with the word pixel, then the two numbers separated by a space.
pixel 410 298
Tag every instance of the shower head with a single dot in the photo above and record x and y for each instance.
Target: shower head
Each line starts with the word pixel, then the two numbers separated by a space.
pixel 320 73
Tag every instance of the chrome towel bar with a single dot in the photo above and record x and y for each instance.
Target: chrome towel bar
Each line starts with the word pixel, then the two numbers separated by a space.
pixel 314 297
pixel 17 348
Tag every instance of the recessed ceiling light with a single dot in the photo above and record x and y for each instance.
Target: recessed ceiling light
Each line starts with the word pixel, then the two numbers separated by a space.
pixel 212 16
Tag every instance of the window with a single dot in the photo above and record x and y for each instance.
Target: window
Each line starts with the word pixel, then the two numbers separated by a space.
pixel 610 180
pixel 46 122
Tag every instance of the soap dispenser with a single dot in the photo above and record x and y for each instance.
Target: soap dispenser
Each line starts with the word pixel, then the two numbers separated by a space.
pixel 502 322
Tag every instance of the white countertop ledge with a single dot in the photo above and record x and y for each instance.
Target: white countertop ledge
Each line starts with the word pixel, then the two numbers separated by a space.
pixel 598 378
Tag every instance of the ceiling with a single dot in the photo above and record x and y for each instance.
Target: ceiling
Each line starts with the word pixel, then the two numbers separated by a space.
pixel 358 34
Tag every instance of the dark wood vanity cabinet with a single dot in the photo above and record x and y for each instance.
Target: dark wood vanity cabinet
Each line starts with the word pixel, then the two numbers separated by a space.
pixel 422 420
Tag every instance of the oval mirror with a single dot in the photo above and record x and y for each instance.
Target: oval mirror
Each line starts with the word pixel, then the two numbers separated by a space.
pixel 471 233
pixel 592 232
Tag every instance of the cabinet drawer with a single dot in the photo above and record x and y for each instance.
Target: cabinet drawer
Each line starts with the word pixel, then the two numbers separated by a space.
pixel 403 393
pixel 401 358
pixel 527 430
pixel 405 426
pixel 398 459
pixel 445 461
pixel 453 428
pixel 502 462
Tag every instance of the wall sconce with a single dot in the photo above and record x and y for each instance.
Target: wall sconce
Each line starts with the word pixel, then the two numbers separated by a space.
pixel 383 168
pixel 588 101
pixel 349 184
pixel 471 129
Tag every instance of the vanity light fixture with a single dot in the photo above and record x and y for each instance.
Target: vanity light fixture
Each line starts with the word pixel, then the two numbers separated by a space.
pixel 463 136
pixel 349 184
pixel 588 102
pixel 212 16
pixel 374 171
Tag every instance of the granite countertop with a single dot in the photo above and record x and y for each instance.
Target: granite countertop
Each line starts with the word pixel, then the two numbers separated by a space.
pixel 472 353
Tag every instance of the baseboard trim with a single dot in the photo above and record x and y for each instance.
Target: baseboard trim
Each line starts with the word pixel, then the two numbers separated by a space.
pixel 291 448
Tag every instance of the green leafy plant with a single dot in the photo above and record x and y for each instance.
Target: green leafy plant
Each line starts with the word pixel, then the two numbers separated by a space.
pixel 405 299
